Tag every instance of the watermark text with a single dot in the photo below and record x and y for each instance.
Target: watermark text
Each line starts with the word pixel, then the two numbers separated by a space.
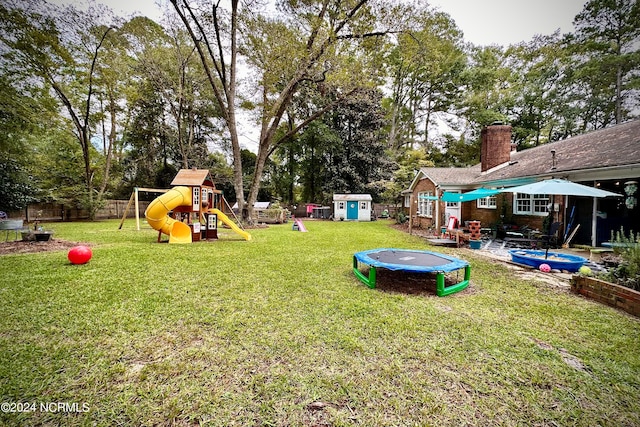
pixel 49 407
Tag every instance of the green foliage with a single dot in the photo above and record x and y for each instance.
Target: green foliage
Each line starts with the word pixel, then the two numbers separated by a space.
pixel 606 49
pixel 449 151
pixel 627 273
pixel 541 111
pixel 426 65
pixel 488 96
pixel 359 161
pixel 342 152
pixel 17 188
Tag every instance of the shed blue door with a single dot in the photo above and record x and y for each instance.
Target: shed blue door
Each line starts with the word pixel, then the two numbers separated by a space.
pixel 352 210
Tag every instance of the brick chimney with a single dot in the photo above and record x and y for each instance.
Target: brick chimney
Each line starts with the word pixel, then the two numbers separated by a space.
pixel 496 146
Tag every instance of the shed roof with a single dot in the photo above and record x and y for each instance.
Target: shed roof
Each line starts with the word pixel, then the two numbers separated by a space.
pixel 350 197
pixel 193 177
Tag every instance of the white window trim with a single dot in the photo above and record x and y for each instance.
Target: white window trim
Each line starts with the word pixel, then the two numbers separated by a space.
pixel 426 204
pixel 543 199
pixel 489 202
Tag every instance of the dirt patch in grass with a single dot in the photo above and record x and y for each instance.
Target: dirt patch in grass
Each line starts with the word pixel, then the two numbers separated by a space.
pixel 415 231
pixel 412 283
pixel 28 247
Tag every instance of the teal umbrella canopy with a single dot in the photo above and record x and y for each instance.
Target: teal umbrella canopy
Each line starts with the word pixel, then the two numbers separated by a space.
pixel 560 187
pixel 479 193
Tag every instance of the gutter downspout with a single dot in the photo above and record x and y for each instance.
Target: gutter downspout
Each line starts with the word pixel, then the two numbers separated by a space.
pixel 594 222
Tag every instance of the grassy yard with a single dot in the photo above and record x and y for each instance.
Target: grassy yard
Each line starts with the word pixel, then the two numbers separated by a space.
pixel 278 332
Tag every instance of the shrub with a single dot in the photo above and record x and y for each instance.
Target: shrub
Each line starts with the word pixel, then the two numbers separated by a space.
pixel 627 273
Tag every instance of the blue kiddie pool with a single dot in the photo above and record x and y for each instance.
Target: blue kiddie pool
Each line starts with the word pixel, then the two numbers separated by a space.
pixel 555 260
pixel 414 261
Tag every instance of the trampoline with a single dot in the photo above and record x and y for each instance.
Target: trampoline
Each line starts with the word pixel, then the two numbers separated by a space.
pixel 415 261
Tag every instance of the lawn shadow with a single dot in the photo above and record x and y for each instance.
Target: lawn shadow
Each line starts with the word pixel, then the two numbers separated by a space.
pixel 409 283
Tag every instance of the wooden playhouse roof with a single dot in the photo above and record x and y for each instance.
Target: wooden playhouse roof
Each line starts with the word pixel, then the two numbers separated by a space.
pixel 193 177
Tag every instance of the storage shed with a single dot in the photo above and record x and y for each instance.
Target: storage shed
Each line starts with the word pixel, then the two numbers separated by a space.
pixel 352 207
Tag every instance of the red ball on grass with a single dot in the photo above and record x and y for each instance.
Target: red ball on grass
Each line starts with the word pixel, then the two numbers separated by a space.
pixel 79 254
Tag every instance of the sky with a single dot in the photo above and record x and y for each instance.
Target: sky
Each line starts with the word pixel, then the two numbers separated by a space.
pixel 505 22
pixel 483 22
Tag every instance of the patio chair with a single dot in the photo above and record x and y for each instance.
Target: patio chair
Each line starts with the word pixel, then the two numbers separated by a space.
pixel 452 227
pixel 552 240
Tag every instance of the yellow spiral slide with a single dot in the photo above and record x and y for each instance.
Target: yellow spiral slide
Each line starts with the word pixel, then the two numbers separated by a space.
pixel 158 218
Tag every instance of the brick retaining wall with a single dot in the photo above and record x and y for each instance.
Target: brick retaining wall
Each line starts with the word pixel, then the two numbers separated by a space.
pixel 607 293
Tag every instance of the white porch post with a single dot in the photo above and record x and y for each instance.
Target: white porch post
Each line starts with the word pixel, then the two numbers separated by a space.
pixel 437 201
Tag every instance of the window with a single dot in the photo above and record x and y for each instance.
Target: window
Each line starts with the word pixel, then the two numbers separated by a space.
pixel 196 198
pixel 341 206
pixel 530 204
pixel 487 202
pixel 425 207
pixel 363 206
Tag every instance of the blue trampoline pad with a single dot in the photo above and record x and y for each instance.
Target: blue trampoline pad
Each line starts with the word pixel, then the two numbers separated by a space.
pixel 410 260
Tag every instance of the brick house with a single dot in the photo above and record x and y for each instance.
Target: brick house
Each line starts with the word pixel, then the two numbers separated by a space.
pixel 607 158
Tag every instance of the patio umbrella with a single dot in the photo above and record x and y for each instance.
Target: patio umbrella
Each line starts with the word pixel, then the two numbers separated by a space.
pixel 560 187
pixel 479 193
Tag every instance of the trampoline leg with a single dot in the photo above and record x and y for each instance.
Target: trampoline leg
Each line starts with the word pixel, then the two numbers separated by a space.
pixel 369 281
pixel 372 277
pixel 440 284
pixel 442 292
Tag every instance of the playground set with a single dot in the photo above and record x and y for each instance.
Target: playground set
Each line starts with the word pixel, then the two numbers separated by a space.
pixel 298 225
pixel 191 210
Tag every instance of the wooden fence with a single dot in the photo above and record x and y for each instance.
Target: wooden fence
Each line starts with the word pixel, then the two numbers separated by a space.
pixel 60 212
pixel 116 208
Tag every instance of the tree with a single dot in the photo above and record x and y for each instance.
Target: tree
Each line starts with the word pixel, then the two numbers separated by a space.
pixel 542 91
pixel 425 65
pixel 358 164
pixel 606 43
pixel 319 43
pixel 317 141
pixel 64 56
pixel 487 86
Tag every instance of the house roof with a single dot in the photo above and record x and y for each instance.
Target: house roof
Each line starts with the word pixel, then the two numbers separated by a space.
pixel 193 177
pixel 617 146
pixel 349 197
pixel 610 148
pixel 452 176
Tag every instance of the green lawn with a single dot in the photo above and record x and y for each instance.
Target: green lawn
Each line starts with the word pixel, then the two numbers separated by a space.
pixel 278 332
